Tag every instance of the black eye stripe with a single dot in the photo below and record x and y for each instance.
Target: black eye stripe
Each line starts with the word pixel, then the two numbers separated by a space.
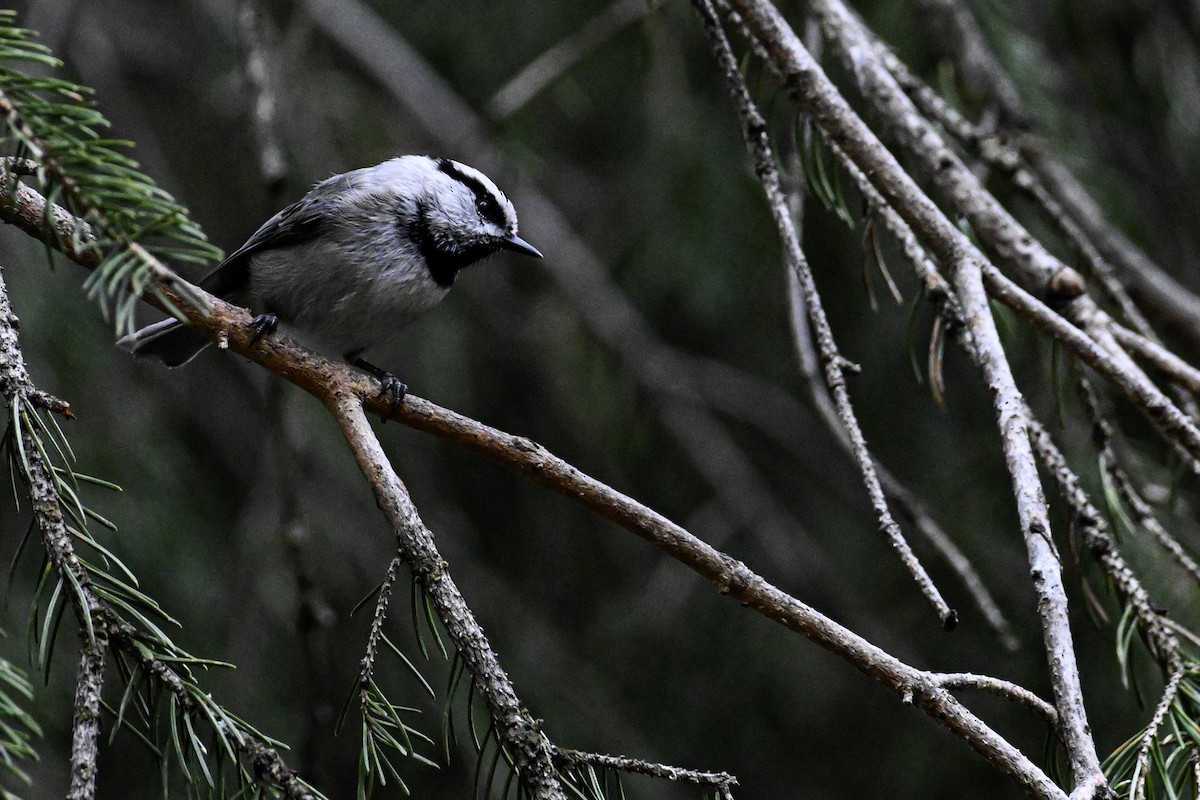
pixel 488 204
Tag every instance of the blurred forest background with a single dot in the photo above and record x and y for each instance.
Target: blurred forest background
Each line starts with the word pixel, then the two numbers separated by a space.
pixel 245 516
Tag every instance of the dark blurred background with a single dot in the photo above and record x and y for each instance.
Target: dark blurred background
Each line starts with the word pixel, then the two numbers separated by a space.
pixel 245 516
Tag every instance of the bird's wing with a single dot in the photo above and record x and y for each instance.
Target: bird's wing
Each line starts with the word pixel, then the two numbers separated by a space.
pixel 299 222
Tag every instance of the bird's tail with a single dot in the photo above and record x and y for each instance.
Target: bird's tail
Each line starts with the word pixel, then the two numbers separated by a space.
pixel 170 341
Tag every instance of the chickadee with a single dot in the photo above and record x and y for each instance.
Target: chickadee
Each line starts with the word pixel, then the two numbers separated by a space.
pixel 356 259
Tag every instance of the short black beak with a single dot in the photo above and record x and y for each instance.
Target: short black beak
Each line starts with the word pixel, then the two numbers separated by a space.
pixel 517 244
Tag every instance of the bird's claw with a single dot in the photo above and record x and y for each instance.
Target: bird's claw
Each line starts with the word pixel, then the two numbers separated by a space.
pixel 389 384
pixel 393 387
pixel 263 325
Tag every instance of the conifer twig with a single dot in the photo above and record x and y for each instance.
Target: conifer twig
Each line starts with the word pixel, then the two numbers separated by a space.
pixel 85 725
pixel 103 628
pixel 1001 688
pixel 721 782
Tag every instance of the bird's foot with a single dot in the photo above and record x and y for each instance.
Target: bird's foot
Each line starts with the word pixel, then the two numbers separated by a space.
pixel 393 387
pixel 389 385
pixel 263 325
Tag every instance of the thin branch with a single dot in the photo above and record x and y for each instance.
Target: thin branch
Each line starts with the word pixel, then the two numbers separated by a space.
pixel 1000 688
pixel 754 131
pixel 1103 435
pixel 85 724
pixel 1152 352
pixel 1141 769
pixel 265 759
pixel 558 59
pixel 902 499
pixel 1162 643
pixel 366 674
pixel 721 782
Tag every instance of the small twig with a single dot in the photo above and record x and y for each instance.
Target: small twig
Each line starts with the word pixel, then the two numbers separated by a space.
pixel 85 725
pixel 1001 688
pixel 722 782
pixel 1175 426
pixel 1162 643
pixel 1103 436
pixel 543 70
pixel 1141 766
pixel 265 759
pixel 1175 368
pixel 938 292
pixel 366 675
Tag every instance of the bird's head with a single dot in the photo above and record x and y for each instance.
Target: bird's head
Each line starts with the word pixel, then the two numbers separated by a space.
pixel 461 216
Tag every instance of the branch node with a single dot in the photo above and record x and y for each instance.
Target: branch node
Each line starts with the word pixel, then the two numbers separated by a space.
pixel 1064 286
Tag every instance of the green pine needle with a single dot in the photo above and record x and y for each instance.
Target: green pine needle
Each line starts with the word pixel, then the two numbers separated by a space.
pixel 133 223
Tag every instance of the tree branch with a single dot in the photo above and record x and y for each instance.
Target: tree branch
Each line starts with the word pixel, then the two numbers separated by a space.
pixel 754 131
pixel 85 725
pixel 1000 688
pixel 339 384
pixel 519 732
pixel 102 626
pixel 1174 306
pixel 721 782
pixel 807 83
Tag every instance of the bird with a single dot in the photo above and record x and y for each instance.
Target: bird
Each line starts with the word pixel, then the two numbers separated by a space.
pixel 355 260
